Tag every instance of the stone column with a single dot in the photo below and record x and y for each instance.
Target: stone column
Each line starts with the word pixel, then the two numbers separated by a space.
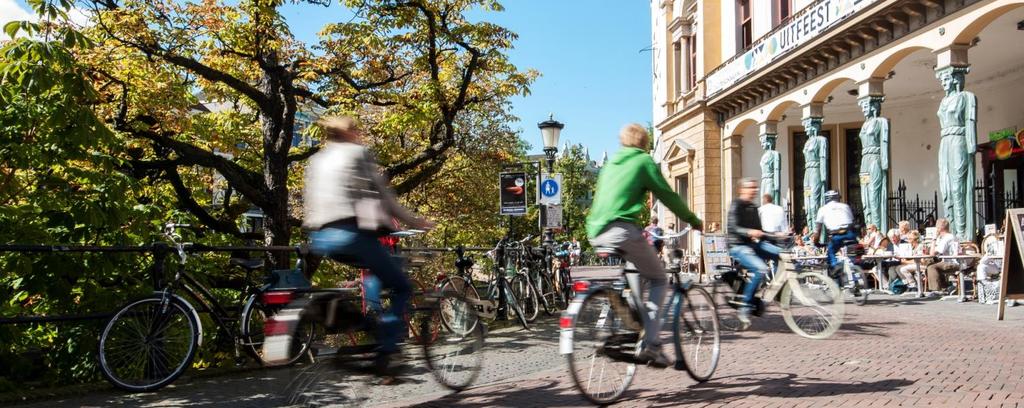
pixel 874 163
pixel 771 160
pixel 732 169
pixel 958 124
pixel 815 153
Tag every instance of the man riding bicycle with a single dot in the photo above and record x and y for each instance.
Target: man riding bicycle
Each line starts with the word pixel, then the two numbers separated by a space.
pixel 837 217
pixel 748 244
pixel 620 199
pixel 347 204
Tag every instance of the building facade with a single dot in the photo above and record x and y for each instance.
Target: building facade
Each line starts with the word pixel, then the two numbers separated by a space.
pixel 909 108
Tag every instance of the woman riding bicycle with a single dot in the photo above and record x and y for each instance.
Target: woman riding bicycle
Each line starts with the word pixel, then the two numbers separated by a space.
pixel 348 204
pixel 621 197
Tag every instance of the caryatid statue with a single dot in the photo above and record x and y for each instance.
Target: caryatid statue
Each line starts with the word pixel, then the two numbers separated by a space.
pixel 815 169
pixel 958 120
pixel 771 167
pixel 874 163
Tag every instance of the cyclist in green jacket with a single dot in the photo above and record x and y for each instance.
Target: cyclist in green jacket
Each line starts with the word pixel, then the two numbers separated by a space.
pixel 620 199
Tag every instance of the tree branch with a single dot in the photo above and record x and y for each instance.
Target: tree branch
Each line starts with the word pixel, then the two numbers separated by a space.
pixel 297 157
pixel 415 180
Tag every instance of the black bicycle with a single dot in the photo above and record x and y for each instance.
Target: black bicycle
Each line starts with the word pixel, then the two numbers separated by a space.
pixel 501 297
pixel 150 342
pixel 453 353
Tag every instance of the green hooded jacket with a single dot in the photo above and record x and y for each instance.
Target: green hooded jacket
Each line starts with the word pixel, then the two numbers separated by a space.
pixel 622 188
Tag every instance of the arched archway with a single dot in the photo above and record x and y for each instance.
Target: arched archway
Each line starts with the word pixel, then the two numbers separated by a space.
pixel 780 109
pixel 826 89
pixel 972 30
pixel 737 131
pixel 890 62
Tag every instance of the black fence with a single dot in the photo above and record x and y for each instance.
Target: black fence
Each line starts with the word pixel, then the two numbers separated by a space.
pixel 990 206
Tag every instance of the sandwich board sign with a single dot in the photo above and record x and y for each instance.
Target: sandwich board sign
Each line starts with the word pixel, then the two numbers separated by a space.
pixel 1011 280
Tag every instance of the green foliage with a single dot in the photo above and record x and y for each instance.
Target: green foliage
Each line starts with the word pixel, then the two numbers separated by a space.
pixel 100 143
pixel 578 183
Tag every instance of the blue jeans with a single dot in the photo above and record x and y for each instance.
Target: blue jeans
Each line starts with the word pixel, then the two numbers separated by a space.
pixel 350 242
pixel 754 257
pixel 838 241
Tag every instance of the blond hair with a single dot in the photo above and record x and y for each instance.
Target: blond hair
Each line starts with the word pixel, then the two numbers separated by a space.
pixel 634 135
pixel 339 128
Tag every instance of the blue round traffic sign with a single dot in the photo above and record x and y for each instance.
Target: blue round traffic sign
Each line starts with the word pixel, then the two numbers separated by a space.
pixel 549 188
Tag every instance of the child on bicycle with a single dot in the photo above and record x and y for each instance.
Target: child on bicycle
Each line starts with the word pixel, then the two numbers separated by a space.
pixel 620 199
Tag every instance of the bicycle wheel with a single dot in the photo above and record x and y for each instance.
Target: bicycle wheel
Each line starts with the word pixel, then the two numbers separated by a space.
pixel 550 293
pixel 526 295
pixel 695 331
pixel 148 344
pixel 413 320
pixel 454 357
pixel 812 305
pixel 727 313
pixel 455 284
pixel 599 346
pixel 568 293
pixel 254 318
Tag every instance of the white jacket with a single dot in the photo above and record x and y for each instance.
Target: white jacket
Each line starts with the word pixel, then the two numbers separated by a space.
pixel 330 190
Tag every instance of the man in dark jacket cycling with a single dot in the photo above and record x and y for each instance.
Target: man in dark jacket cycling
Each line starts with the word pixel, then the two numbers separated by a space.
pixel 747 244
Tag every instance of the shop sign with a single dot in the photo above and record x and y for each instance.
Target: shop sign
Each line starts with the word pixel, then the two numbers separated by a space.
pixel 1001 134
pixel 803 27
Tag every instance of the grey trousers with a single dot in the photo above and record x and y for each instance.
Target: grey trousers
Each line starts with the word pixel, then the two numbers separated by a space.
pixel 630 241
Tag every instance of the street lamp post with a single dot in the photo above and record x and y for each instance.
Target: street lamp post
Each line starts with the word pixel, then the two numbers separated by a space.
pixel 550 130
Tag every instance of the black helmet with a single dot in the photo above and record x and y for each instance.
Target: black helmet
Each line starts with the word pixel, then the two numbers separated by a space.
pixel 831 195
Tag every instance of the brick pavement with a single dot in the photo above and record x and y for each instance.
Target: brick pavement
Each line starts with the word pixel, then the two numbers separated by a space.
pixel 894 352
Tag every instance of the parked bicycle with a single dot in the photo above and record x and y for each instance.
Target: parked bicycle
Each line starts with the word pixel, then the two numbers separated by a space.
pixel 500 299
pixel 150 342
pixel 601 334
pixel 849 274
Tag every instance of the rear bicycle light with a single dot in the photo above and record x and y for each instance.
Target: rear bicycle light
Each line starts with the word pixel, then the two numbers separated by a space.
pixel 580 286
pixel 277 298
pixel 565 322
pixel 274 327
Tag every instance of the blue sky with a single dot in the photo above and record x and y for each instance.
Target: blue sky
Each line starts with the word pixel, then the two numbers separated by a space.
pixel 594 76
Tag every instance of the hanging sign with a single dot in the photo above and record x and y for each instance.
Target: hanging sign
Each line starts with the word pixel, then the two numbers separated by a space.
pixel 802 28
pixel 552 216
pixel 1011 280
pixel 551 189
pixel 512 194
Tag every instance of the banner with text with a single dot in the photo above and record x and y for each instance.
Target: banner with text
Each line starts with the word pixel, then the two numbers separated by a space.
pixel 803 27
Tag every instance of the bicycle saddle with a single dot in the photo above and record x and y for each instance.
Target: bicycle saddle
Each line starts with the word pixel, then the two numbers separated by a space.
pixel 723 268
pixel 247 264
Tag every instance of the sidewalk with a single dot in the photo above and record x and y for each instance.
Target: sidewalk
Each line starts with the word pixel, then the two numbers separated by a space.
pixel 892 352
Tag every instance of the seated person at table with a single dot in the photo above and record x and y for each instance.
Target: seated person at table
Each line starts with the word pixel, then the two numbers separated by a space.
pixel 904 231
pixel 872 238
pixel 946 244
pixel 908 267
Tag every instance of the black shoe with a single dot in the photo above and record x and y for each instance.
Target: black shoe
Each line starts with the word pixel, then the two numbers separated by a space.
pixel 653 357
pixel 388 364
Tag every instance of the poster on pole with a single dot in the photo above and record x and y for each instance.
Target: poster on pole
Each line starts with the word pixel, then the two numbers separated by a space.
pixel 1011 279
pixel 512 193
pixel 552 216
pixel 550 189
